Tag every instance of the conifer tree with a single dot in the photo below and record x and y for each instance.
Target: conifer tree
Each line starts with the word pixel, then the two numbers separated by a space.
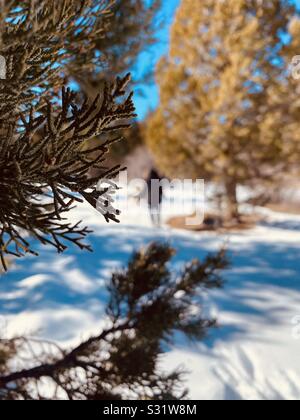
pixel 45 152
pixel 225 100
pixel 46 161
pixel 130 29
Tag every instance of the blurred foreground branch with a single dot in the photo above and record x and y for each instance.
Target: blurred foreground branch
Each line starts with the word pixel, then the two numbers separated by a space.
pixel 146 306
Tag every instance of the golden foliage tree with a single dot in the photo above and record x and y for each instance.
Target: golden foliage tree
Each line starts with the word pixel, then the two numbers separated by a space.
pixel 225 110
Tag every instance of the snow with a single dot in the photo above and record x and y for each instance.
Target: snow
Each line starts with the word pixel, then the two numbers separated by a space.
pixel 254 353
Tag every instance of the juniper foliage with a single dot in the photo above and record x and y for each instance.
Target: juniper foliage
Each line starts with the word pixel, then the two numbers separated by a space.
pixel 45 155
pixel 147 306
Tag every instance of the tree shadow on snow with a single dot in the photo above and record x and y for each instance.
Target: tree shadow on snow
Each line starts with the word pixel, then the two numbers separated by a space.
pixel 76 280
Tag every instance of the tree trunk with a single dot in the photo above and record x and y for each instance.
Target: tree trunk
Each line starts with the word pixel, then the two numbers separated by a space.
pixel 232 207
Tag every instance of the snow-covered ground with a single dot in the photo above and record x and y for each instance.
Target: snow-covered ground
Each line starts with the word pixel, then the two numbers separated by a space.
pixel 254 354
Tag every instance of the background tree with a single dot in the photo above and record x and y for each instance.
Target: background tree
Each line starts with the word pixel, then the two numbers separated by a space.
pixel 131 28
pixel 147 306
pixel 133 137
pixel 224 113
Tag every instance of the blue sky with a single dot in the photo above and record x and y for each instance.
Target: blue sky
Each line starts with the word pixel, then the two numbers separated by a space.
pixel 147 99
